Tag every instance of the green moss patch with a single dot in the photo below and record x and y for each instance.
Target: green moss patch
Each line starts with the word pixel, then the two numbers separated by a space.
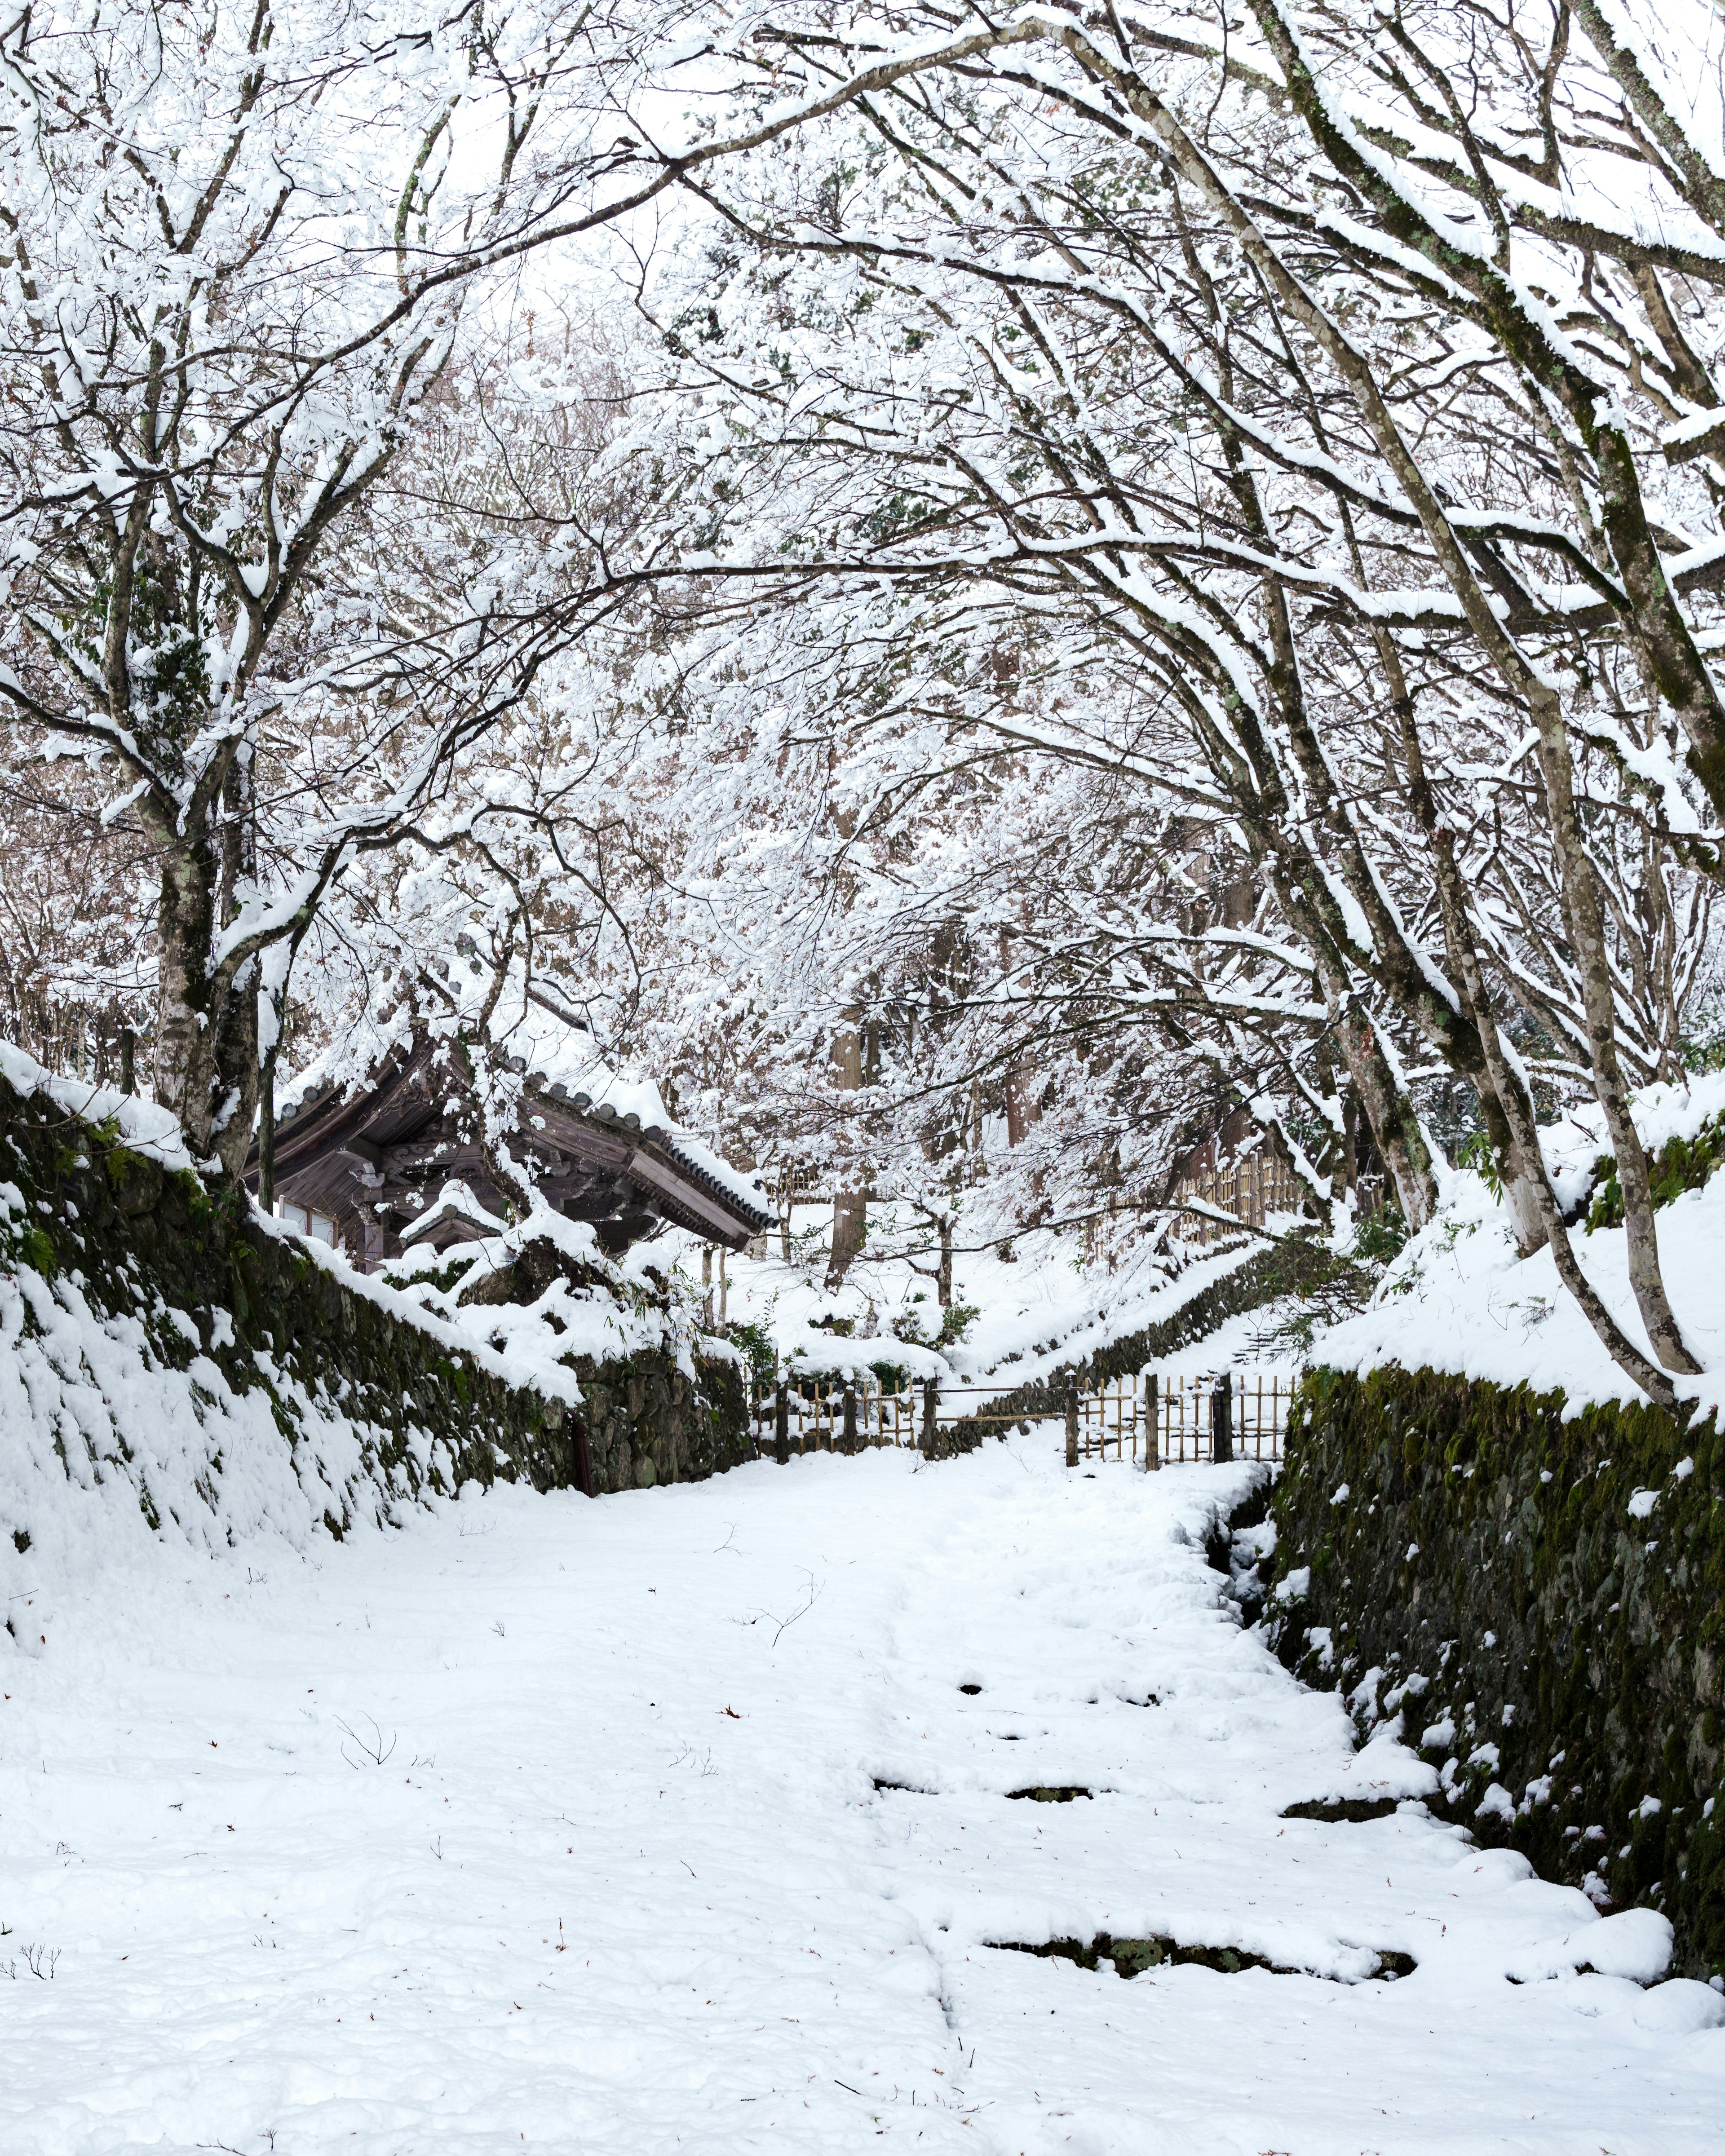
pixel 1680 1164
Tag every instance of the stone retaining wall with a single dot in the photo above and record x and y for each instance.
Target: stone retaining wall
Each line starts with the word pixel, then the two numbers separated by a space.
pixel 199 1287
pixel 1542 1601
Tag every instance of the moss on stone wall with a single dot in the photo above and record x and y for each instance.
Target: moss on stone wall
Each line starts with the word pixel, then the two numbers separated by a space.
pixel 1543 1601
pixel 146 1243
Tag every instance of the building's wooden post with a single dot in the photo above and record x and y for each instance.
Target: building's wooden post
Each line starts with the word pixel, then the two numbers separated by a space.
pixel 1071 1425
pixel 584 1457
pixel 1152 1423
pixel 930 1418
pixel 1222 1418
pixel 781 1425
pixel 848 1442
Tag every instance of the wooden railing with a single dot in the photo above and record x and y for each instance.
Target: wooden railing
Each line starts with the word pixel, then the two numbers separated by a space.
pixel 828 1413
pixel 1226 1414
pixel 92 1042
pixel 1155 1419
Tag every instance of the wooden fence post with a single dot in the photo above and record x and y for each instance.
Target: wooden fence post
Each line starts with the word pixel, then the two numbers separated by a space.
pixel 1222 1418
pixel 848 1441
pixel 583 1456
pixel 1071 1425
pixel 930 1445
pixel 782 1425
pixel 1152 1423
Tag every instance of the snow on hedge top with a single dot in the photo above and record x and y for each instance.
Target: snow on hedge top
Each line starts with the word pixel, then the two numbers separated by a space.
pixel 1576 1140
pixel 1458 1299
pixel 143 1125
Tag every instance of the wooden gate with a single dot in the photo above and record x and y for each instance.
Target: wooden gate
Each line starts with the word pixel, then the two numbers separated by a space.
pixel 1238 1413
pixel 826 1412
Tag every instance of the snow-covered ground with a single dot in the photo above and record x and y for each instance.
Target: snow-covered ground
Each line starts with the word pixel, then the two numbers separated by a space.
pixel 1459 1299
pixel 623 1880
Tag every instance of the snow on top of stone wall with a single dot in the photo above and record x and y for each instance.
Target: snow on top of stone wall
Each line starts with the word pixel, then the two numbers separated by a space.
pixel 1460 1299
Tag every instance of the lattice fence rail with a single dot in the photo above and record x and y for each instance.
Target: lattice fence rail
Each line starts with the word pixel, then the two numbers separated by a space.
pixel 1155 1419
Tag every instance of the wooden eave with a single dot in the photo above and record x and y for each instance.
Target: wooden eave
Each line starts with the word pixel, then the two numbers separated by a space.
pixel 343 1155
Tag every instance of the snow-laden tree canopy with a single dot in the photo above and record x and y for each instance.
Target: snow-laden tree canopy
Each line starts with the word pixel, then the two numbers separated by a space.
pixel 1056 573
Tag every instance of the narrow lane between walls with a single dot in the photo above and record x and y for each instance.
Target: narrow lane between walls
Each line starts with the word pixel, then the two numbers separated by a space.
pixel 710 1817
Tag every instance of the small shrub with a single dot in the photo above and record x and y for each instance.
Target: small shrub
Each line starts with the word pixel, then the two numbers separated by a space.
pixel 1474 1152
pixel 756 1343
pixel 956 1321
pixel 1381 1235
pixel 1680 1164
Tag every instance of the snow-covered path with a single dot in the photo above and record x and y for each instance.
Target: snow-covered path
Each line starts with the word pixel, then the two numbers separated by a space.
pixel 623 1880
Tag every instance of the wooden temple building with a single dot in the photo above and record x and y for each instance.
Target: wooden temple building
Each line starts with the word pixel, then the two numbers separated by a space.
pixel 388 1166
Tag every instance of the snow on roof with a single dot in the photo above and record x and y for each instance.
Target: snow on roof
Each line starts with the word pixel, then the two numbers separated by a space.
pixel 455 1201
pixel 548 1050
pixel 745 1189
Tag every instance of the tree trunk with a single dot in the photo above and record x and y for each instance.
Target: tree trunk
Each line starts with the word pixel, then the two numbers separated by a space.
pixel 1017 1123
pixel 1515 1140
pixel 1395 1125
pixel 1584 919
pixel 850 1207
pixel 206 1017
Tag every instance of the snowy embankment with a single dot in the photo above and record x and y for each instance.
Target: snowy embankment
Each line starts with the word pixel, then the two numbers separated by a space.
pixel 160 1374
pixel 549 1825
pixel 1459 1300
pixel 1036 1304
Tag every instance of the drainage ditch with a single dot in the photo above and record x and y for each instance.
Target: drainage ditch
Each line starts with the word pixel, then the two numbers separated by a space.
pixel 1132 1957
